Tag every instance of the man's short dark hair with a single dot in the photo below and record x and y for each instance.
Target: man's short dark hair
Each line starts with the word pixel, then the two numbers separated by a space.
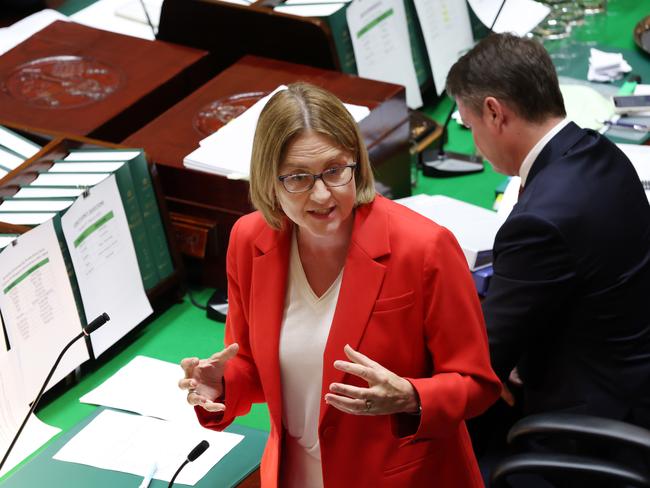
pixel 515 70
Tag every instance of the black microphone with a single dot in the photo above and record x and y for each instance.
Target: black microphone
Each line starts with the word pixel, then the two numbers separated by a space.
pixel 200 448
pixel 91 327
pixel 441 163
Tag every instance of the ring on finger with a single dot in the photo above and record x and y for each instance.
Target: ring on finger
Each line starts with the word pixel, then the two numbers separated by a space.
pixel 368 405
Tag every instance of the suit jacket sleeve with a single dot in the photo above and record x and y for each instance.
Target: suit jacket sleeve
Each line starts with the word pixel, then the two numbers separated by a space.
pixel 534 272
pixel 241 380
pixel 463 384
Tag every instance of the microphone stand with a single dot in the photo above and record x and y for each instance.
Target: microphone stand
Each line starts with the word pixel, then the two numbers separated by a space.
pixel 91 327
pixel 441 163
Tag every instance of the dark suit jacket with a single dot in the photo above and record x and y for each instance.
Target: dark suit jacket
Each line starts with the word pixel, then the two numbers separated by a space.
pixel 570 298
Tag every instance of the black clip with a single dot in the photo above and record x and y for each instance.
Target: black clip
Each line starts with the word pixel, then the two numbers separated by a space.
pixel 14 242
pixel 86 192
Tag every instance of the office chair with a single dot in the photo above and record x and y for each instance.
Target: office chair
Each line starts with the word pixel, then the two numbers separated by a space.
pixel 575 450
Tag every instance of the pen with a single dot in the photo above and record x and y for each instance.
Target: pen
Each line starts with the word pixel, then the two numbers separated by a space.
pixel 147 477
pixel 627 125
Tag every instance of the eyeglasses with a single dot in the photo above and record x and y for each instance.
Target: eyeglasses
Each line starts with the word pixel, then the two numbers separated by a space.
pixel 334 176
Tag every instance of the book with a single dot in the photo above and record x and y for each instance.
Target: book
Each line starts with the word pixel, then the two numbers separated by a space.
pixel 145 194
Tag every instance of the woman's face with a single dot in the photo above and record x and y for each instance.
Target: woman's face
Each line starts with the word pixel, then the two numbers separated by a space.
pixel 321 211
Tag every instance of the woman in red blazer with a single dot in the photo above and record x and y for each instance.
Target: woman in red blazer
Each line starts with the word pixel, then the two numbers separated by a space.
pixel 353 317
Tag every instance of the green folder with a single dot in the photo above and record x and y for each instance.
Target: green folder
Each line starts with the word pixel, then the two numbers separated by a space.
pixel 44 471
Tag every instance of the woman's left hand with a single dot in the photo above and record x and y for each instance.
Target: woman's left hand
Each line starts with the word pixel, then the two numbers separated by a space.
pixel 386 394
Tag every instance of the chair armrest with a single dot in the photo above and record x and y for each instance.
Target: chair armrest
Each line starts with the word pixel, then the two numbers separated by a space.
pixel 563 465
pixel 581 427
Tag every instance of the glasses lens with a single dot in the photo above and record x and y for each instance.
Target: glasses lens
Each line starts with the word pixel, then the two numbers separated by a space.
pixel 337 176
pixel 299 182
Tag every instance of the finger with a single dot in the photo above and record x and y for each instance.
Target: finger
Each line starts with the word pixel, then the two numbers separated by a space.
pixel 213 406
pixel 362 372
pixel 347 405
pixel 226 354
pixel 359 358
pixel 188 365
pixel 187 384
pixel 350 391
pixel 193 398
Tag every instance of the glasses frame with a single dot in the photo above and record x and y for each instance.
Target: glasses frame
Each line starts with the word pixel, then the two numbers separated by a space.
pixel 315 177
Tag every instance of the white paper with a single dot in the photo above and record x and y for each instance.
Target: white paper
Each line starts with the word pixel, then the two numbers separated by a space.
pixel 101 15
pixel 81 155
pixel 44 192
pixel 447 34
pixel 98 238
pixel 228 151
pixel 133 10
pixel 77 180
pixel 9 159
pixel 382 49
pixel 23 29
pixel 146 386
pixel 474 227
pixel 510 197
pixel 25 218
pixel 17 143
pixel 517 16
pixel 14 406
pixel 38 307
pixel 90 167
pixel 130 443
pixel 5 240
pixel 23 205
pixel 313 10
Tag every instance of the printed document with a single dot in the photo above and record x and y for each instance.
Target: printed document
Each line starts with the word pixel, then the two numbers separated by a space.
pixel 447 34
pixel 38 307
pixel 131 443
pixel 146 386
pixel 517 16
pixel 98 238
pixel 382 49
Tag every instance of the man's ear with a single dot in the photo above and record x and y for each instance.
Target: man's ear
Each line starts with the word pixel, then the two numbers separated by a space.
pixel 494 112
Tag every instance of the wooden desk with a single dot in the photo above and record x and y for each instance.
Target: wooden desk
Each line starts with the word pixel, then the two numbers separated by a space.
pixel 204 206
pixel 91 82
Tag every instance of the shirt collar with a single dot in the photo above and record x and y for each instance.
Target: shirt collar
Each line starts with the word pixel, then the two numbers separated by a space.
pixel 537 148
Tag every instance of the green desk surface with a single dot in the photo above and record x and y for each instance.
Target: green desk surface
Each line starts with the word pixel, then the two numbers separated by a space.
pixel 42 470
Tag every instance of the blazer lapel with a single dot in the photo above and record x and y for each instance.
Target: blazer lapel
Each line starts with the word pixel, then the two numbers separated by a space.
pixel 268 289
pixel 362 280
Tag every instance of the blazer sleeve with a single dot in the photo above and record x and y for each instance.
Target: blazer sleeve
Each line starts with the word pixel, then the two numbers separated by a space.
pixel 241 380
pixel 534 273
pixel 463 384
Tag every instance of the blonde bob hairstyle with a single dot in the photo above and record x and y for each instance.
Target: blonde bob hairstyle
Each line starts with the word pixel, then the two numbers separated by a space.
pixel 289 113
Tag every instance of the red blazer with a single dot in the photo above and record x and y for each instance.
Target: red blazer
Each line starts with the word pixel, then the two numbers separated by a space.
pixel 407 301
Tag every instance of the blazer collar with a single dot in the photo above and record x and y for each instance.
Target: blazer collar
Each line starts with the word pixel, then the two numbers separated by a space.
pixel 555 149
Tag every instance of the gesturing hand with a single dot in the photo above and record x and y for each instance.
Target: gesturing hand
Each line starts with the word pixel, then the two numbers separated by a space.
pixel 386 394
pixel 204 378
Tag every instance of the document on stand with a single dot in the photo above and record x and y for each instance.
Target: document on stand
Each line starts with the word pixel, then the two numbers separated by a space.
pixel 98 237
pixel 131 443
pixel 14 405
pixel 380 39
pixel 447 34
pixel 38 307
pixel 517 16
pixel 146 386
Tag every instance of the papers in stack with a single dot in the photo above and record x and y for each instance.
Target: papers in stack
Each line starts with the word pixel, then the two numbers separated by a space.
pixel 604 66
pixel 131 443
pixel 474 227
pixel 227 152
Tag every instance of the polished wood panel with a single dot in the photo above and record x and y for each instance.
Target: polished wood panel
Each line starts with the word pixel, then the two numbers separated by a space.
pixel 154 76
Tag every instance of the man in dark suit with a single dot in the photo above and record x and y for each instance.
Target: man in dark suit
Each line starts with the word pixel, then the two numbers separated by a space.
pixel 569 302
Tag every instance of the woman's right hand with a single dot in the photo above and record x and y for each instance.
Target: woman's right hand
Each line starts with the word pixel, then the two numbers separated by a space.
pixel 204 378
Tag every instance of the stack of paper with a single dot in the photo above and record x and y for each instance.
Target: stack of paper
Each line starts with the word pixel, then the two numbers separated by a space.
pixel 604 66
pixel 227 152
pixel 474 227
pixel 640 157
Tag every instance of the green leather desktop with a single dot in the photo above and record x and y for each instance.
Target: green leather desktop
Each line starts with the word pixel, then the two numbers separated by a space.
pixel 183 330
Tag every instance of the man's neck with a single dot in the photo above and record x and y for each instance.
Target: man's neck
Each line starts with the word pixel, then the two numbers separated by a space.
pixel 527 134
